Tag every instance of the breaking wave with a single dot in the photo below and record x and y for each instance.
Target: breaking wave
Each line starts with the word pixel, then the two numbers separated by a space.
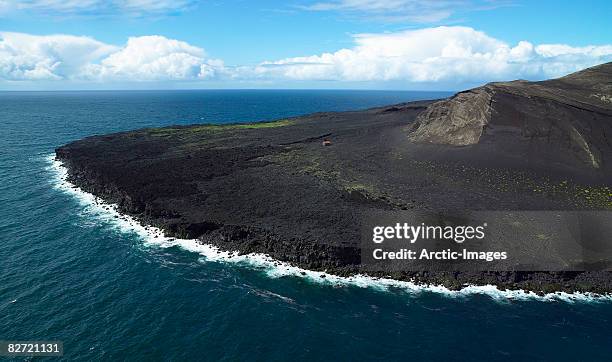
pixel 152 236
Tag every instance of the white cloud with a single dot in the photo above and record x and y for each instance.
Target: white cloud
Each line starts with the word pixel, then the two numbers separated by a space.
pixel 56 57
pixel 450 57
pixel 155 58
pixel 143 7
pixel 420 11
pixel 96 7
pixel 31 57
pixel 441 54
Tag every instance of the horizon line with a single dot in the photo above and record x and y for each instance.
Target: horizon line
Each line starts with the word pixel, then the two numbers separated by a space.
pixel 220 89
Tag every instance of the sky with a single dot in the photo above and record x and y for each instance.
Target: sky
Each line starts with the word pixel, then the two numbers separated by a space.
pixel 320 44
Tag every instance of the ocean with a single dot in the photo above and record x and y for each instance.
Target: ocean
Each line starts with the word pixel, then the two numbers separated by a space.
pixel 75 271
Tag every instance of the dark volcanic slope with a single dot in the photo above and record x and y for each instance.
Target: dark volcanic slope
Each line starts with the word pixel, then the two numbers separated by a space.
pixel 274 188
pixel 560 124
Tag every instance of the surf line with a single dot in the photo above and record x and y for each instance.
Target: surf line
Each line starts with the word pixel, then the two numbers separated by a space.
pixel 153 236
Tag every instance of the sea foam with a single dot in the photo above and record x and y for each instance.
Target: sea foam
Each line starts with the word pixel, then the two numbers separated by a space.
pixel 152 236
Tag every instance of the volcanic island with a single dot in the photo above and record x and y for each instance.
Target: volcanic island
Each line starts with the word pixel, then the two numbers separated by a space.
pixel 298 189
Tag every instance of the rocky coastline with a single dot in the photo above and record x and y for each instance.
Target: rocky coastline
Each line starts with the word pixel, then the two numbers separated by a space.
pixel 297 189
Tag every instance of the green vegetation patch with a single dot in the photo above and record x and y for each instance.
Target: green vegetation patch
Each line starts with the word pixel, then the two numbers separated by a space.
pixel 315 165
pixel 514 181
pixel 214 128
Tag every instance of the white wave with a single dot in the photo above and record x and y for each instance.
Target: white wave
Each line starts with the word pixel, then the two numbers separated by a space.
pixel 153 236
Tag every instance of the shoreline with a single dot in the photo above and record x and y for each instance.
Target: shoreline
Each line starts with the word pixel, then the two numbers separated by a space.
pixel 153 236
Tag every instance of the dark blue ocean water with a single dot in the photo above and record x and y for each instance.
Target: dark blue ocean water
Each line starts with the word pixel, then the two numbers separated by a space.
pixel 66 275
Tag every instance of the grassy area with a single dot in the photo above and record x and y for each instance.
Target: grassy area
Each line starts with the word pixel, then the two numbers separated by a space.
pixel 506 180
pixel 340 177
pixel 213 128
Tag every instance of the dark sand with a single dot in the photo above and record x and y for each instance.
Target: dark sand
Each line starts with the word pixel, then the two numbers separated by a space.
pixel 275 188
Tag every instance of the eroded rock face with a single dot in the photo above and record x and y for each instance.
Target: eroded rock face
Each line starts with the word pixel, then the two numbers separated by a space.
pixel 457 121
pixel 570 116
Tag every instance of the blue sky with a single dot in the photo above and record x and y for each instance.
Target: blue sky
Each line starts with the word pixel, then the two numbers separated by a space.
pixel 296 43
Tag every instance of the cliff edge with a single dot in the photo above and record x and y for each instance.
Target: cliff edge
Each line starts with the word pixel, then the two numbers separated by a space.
pixel 566 121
